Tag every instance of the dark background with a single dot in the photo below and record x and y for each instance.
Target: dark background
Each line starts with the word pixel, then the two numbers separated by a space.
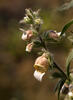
pixel 16 66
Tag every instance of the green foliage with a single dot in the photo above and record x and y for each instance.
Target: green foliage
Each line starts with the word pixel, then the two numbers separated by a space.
pixel 68 61
pixel 66 27
pixel 57 75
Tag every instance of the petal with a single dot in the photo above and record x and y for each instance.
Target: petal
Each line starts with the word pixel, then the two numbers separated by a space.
pixel 38 75
pixel 24 36
pixel 59 33
pixel 70 94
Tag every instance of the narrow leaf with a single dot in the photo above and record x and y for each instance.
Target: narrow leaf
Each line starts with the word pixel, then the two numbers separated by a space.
pixel 57 85
pixel 66 27
pixel 57 75
pixel 60 86
pixel 68 61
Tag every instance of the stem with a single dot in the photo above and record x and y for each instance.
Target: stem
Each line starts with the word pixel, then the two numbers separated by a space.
pixel 43 43
pixel 56 66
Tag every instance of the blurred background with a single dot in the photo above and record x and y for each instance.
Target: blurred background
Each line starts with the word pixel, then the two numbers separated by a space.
pixel 16 66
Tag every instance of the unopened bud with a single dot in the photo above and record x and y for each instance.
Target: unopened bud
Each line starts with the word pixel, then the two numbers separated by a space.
pixel 29 47
pixel 29 34
pixel 38 21
pixel 27 19
pixel 53 34
pixel 65 89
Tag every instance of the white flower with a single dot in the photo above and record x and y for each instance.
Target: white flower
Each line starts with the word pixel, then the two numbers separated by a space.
pixel 38 75
pixel 70 94
pixel 24 36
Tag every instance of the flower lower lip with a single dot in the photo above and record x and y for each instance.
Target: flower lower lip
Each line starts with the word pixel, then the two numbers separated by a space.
pixel 38 75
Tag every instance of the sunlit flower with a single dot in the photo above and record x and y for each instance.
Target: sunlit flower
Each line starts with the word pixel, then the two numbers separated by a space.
pixel 41 66
pixel 29 47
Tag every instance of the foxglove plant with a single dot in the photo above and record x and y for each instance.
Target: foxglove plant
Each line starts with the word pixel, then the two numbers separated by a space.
pixel 31 34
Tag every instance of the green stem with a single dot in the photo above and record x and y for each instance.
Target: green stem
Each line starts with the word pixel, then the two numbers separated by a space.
pixel 57 67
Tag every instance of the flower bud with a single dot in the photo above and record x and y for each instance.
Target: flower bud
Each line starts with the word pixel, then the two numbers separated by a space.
pixel 29 47
pixel 29 34
pixel 53 34
pixel 41 66
pixel 26 19
pixel 65 89
pixel 24 37
pixel 38 21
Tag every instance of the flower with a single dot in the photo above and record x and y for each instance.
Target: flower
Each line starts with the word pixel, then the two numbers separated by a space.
pixel 27 35
pixel 41 66
pixel 38 75
pixel 24 36
pixel 54 34
pixel 70 94
pixel 29 47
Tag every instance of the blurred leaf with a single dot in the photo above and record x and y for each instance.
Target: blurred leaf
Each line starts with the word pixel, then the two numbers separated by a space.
pixel 37 43
pixel 66 27
pixel 57 75
pixel 68 61
pixel 61 82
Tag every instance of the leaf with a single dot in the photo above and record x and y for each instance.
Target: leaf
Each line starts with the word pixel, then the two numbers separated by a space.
pixel 68 61
pixel 57 85
pixel 57 75
pixel 66 27
pixel 37 43
pixel 60 86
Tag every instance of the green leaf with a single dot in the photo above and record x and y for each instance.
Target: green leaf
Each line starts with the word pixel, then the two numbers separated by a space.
pixel 57 75
pixel 59 87
pixel 68 61
pixel 66 27
pixel 37 43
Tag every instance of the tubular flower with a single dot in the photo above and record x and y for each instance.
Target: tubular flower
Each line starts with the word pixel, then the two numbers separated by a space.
pixel 41 66
pixel 27 35
pixel 54 34
pixel 29 47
